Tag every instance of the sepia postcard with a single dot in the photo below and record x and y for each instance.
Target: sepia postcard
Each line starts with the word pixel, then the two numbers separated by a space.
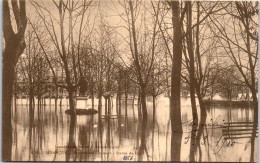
pixel 130 80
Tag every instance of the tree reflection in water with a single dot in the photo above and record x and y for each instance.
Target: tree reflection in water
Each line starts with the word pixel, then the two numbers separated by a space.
pixel 143 149
pixel 147 137
pixel 252 154
pixel 176 142
pixel 193 143
pixel 31 123
pixel 72 149
pixel 199 137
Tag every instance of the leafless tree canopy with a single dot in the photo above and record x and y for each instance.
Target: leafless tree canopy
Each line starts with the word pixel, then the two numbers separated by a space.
pixel 115 51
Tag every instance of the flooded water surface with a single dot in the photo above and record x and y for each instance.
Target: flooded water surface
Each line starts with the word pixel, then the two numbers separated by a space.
pixel 49 134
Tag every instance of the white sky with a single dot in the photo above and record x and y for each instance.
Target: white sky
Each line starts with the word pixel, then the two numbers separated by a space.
pixel 110 11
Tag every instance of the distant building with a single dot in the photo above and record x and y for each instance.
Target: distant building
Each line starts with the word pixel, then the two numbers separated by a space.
pixel 218 97
pixel 241 97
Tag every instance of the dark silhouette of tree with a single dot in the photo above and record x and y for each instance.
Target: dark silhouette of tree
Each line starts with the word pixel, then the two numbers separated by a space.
pixel 14 45
pixel 67 46
pixel 142 44
pixel 175 99
pixel 238 36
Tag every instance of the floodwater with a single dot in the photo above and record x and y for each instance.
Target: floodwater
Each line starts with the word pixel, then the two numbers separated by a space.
pixel 52 135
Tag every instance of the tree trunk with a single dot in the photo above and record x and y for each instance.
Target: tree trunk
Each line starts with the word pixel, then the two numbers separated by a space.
pixel 105 106
pixel 119 104
pixel 39 101
pixel 50 99
pixel 56 98
pixel 14 47
pixel 176 141
pixel 109 105
pixel 143 101
pixel 200 132
pixel 61 102
pixel 126 97
pixel 133 102
pixel 193 142
pixel 99 106
pixel 255 102
pixel 117 113
pixel 203 112
pixel 71 143
pixel 193 105
pixel 191 63
pixel 15 94
pixel 31 97
pixel 154 106
pixel 139 98
pixel 92 99
pixel 71 103
pixel 175 100
pixel 142 147
pixel 8 77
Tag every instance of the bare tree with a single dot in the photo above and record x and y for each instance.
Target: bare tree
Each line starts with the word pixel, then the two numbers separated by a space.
pixel 175 99
pixel 13 47
pixel 240 44
pixel 142 45
pixel 198 73
pixel 239 40
pixel 66 48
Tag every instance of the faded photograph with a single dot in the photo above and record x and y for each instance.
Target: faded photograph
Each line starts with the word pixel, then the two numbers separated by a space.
pixel 130 80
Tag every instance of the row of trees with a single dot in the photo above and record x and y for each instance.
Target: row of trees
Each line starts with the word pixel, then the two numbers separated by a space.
pixel 158 47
